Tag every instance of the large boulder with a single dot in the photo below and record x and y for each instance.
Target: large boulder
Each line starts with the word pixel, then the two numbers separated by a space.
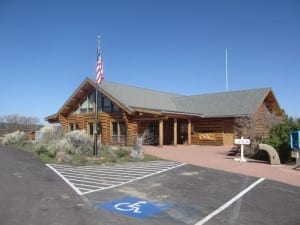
pixel 62 157
pixel 137 151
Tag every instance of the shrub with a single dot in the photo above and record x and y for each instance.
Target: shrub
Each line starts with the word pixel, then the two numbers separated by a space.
pixel 17 137
pixel 59 145
pixel 41 149
pixel 121 153
pixel 50 132
pixel 79 142
pixel 280 139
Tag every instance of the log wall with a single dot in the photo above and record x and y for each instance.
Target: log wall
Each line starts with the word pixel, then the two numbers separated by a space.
pixel 207 132
pixel 105 119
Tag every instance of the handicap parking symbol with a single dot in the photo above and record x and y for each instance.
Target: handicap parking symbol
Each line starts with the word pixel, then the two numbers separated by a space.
pixel 134 207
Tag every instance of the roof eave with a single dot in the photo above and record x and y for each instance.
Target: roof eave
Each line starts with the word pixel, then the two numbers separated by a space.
pixel 226 116
pixel 182 113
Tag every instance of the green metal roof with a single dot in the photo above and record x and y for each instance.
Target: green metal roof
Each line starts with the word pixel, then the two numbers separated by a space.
pixel 232 103
pixel 135 97
pixel 223 104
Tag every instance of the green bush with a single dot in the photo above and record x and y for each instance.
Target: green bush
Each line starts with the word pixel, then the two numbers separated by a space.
pixel 280 137
pixel 121 153
pixel 41 149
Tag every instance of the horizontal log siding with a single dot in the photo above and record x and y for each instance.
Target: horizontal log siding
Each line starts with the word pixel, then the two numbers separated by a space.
pixel 105 119
pixel 132 127
pixel 207 126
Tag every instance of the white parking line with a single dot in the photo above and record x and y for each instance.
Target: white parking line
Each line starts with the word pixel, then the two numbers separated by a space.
pixel 88 179
pixel 228 203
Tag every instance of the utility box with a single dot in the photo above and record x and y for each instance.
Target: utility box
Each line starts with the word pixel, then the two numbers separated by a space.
pixel 295 140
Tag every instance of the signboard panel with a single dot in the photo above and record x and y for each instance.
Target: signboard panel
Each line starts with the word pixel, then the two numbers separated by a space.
pixel 242 141
pixel 295 139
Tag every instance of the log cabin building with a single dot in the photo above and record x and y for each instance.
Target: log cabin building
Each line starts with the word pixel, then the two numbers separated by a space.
pixel 125 112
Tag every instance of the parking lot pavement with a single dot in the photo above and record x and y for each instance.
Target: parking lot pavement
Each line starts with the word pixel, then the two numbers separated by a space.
pixel 88 179
pixel 192 195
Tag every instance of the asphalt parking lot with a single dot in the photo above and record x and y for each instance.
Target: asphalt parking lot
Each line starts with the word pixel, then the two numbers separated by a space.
pixel 87 179
pixel 160 193
pixel 186 194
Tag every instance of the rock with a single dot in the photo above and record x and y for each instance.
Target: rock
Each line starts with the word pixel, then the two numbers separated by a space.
pixel 137 151
pixel 62 157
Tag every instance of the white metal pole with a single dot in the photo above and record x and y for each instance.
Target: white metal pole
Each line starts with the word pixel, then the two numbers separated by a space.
pixel 242 150
pixel 226 70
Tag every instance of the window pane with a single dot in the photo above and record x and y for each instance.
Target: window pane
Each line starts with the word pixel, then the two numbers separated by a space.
pixel 115 108
pixel 106 105
pixel 84 104
pixel 77 110
pixel 115 128
pixel 114 138
pixel 90 127
pixel 122 139
pixel 91 100
pixel 122 128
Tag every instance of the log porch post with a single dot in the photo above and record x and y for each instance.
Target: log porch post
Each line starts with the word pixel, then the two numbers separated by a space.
pixel 189 132
pixel 175 132
pixel 161 133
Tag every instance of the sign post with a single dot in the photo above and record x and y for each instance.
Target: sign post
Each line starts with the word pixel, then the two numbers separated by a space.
pixel 242 142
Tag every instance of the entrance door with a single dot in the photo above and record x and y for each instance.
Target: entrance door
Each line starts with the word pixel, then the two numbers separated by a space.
pixel 168 132
pixel 182 132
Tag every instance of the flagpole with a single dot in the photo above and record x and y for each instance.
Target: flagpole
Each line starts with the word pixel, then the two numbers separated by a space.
pixel 96 111
pixel 226 70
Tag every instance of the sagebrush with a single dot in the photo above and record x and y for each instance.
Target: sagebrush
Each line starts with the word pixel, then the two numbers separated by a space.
pixel 16 137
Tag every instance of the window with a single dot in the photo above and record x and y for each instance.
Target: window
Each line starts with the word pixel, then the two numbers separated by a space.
pixel 106 104
pixel 114 132
pixel 91 128
pixel 91 100
pixel 122 133
pixel 73 126
pixel 115 108
pixel 118 130
pixel 77 110
pixel 83 106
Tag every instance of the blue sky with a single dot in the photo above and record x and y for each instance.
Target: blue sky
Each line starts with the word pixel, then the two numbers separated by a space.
pixel 47 48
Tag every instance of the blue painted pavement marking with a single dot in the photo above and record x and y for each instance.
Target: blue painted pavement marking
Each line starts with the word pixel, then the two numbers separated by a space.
pixel 134 207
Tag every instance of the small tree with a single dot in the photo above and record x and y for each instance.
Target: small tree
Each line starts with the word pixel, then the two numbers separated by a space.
pixel 280 136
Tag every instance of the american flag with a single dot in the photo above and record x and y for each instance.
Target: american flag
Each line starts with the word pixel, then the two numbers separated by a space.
pixel 99 70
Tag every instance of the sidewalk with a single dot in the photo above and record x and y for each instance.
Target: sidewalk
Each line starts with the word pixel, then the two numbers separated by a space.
pixel 216 157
